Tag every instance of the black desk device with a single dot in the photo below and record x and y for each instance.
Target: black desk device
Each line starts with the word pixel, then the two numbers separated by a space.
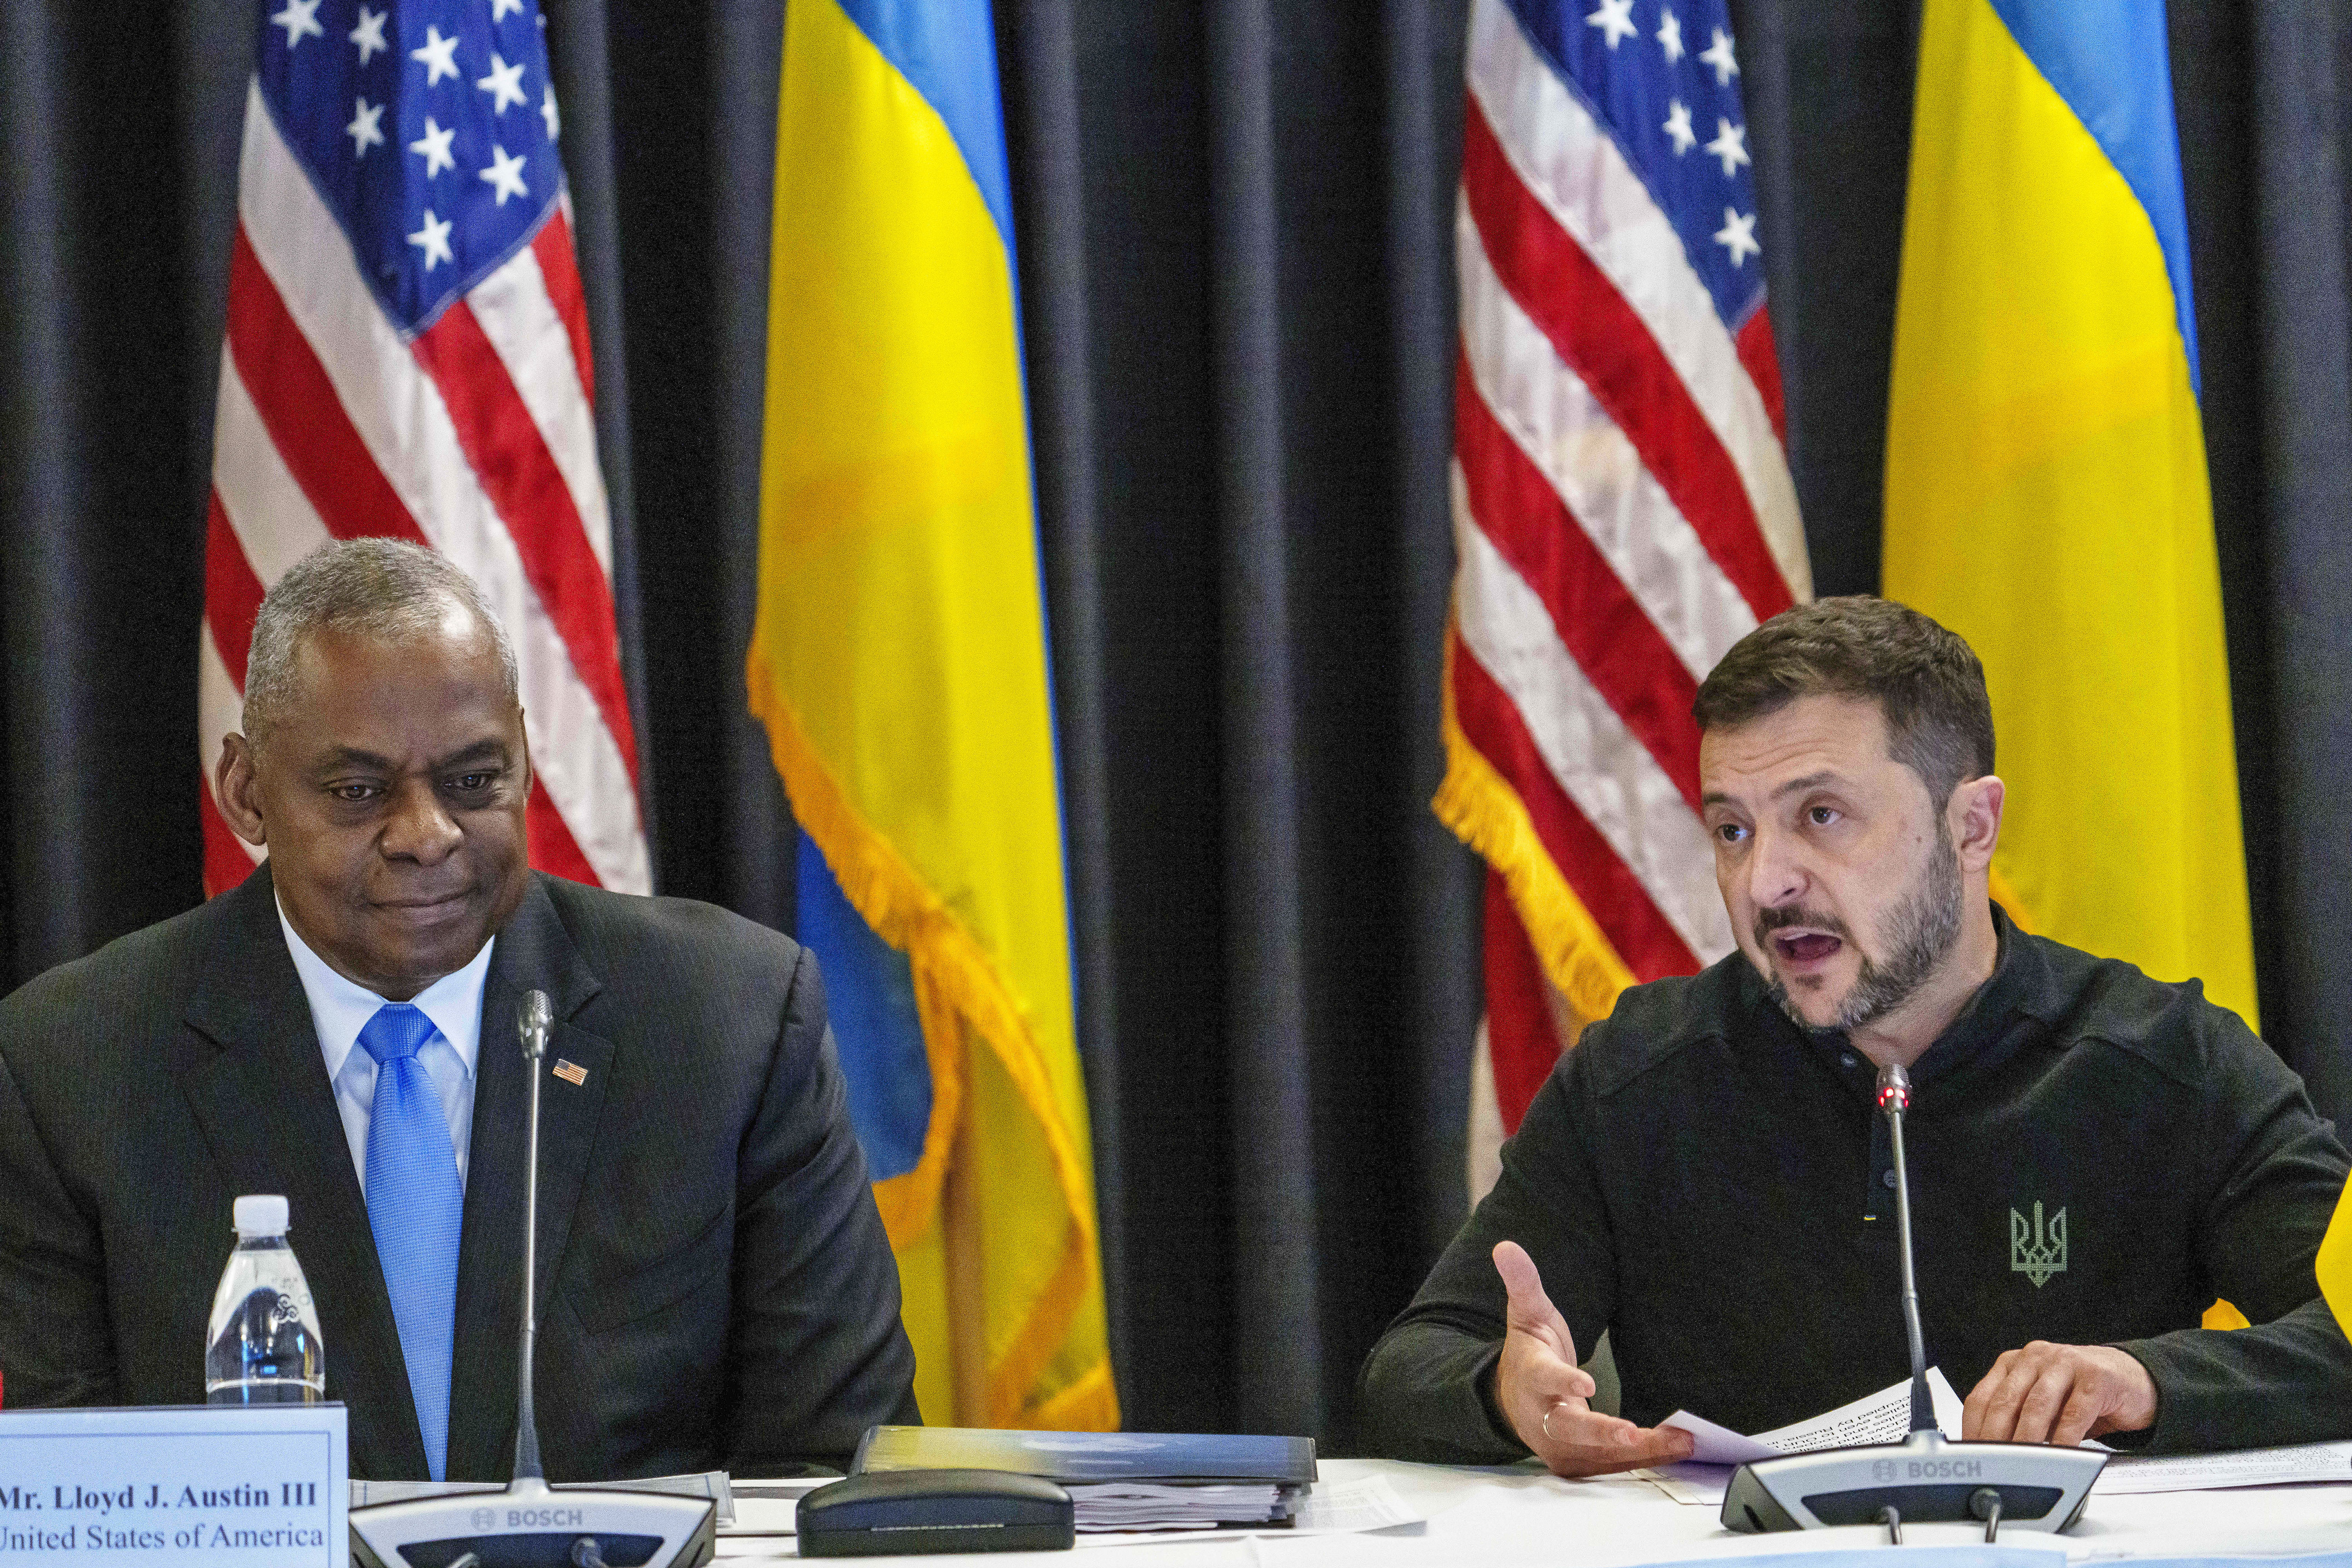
pixel 886 1512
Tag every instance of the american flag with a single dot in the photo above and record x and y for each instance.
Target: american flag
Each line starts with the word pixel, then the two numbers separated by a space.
pixel 1622 502
pixel 408 354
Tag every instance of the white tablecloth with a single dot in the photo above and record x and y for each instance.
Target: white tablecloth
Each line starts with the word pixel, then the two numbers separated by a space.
pixel 1489 1518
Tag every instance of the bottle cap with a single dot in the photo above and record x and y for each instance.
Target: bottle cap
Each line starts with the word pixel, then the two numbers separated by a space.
pixel 260 1215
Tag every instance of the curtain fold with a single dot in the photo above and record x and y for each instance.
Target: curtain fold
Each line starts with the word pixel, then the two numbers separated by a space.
pixel 100 515
pixel 2300 240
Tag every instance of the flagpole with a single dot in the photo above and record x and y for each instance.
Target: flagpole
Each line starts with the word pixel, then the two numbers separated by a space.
pixel 961 1221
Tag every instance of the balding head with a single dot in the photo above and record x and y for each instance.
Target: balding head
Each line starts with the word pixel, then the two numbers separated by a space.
pixel 374 590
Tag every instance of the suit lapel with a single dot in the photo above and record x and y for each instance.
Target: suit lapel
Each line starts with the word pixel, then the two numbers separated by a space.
pixel 268 1111
pixel 533 953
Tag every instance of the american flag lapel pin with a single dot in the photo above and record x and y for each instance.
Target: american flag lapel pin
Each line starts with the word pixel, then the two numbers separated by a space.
pixel 571 1072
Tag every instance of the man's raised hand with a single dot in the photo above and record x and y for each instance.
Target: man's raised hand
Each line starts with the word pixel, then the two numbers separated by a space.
pixel 1545 1396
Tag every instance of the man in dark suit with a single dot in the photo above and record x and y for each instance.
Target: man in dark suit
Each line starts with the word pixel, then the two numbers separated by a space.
pixel 715 1287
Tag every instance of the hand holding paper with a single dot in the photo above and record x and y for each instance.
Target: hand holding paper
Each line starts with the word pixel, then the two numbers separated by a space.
pixel 1544 1396
pixel 1881 1418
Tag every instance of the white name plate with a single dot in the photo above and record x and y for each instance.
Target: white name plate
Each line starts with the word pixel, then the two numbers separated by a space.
pixel 224 1486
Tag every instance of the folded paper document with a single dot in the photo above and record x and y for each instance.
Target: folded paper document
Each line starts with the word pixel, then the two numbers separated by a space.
pixel 1881 1418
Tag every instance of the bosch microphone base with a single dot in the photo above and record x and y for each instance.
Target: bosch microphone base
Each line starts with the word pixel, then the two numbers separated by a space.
pixel 530 1526
pixel 1926 1479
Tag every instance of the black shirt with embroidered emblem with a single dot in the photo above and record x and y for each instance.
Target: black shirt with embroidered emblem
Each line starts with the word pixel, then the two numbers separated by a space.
pixel 2095 1157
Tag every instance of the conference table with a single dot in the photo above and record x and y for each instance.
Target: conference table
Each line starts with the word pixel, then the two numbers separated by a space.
pixel 1498 1518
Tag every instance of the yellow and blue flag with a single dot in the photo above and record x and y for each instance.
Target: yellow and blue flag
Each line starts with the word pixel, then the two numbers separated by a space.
pixel 899 662
pixel 2046 489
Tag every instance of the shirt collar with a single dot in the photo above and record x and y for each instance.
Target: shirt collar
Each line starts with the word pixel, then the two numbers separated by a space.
pixel 340 1008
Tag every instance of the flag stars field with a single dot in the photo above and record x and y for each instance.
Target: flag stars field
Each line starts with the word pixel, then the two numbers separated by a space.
pixel 476 158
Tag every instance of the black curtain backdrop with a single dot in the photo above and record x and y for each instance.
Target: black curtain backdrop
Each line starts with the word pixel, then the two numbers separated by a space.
pixel 1234 224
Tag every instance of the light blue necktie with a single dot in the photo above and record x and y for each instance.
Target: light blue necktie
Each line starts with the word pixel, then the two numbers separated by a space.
pixel 415 1207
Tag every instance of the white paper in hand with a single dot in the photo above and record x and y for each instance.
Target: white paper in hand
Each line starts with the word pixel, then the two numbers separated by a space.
pixel 1881 1418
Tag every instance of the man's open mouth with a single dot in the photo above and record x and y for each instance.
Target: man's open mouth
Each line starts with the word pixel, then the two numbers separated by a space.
pixel 1805 947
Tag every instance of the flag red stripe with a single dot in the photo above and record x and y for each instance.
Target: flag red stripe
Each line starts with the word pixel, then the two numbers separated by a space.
pixel 559 265
pixel 1754 344
pixel 1645 939
pixel 299 408
pixel 516 471
pixel 553 848
pixel 1601 338
pixel 226 863
pixel 232 593
pixel 1520 1042
pixel 1604 629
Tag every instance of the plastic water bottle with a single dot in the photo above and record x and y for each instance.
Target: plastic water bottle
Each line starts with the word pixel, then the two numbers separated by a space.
pixel 264 1347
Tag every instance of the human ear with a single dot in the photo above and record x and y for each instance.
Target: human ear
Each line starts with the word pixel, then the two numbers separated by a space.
pixel 1974 816
pixel 237 791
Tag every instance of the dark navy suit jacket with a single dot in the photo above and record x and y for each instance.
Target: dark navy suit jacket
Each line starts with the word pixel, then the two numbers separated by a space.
pixel 716 1290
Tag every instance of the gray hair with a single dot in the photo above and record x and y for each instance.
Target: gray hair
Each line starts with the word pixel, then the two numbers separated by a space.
pixel 381 589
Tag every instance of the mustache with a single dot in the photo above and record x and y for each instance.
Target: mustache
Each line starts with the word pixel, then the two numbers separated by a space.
pixel 1770 921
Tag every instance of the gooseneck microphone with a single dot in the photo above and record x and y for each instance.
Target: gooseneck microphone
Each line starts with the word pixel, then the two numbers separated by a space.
pixel 1925 1479
pixel 532 1025
pixel 530 1524
pixel 1894 1099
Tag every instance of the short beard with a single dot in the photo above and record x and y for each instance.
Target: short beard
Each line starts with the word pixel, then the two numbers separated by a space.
pixel 1920 934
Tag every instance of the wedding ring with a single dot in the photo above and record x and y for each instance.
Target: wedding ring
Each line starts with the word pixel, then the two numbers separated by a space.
pixel 1547 1421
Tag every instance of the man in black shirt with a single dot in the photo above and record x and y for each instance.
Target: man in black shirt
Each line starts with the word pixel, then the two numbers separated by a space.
pixel 2094 1155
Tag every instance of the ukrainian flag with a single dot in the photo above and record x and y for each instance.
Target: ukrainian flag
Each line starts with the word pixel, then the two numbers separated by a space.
pixel 899 661
pixel 2046 493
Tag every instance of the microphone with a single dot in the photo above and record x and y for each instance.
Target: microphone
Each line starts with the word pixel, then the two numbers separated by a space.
pixel 1894 1099
pixel 1925 1479
pixel 531 1525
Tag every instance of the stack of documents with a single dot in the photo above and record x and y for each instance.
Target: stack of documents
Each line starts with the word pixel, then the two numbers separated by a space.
pixel 1160 1504
pixel 1120 1480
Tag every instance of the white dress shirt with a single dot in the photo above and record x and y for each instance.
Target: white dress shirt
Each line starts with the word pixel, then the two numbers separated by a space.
pixel 340 1009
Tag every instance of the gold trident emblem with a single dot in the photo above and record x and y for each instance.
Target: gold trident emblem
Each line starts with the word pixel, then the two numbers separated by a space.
pixel 2036 1252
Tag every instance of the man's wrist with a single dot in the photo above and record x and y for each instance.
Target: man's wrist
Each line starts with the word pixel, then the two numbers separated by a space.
pixel 1485 1382
pixel 2141 1435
